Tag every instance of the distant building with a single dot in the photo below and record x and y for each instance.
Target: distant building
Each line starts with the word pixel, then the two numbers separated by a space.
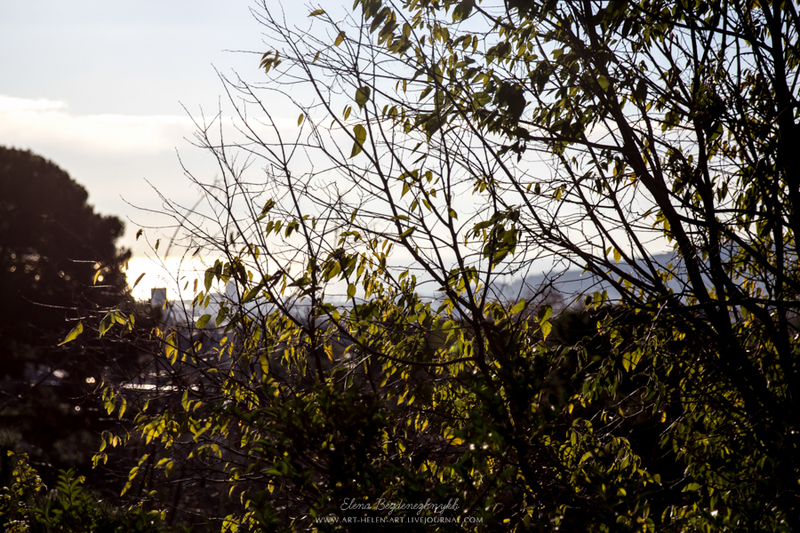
pixel 158 297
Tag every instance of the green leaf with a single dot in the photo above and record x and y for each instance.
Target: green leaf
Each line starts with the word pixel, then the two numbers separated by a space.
pixel 221 316
pixel 333 272
pixel 72 335
pixel 203 320
pixel 106 323
pixel 603 82
pixel 640 93
pixel 463 10
pixel 631 359
pixel 361 135
pixel 362 96
pixel 316 13
pixel 519 306
pixel 252 293
pixel 546 327
pixel 268 205
pixel 407 233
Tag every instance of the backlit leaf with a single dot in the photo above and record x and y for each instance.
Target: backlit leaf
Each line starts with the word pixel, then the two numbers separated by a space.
pixel 361 135
pixel 339 39
pixel 362 96
pixel 72 335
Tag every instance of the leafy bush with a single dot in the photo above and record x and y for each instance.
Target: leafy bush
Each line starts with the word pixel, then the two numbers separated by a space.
pixel 27 506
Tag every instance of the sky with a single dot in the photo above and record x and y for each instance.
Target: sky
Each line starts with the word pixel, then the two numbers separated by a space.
pixel 105 90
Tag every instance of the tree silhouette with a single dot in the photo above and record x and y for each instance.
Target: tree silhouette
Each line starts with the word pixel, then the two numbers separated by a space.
pixel 58 263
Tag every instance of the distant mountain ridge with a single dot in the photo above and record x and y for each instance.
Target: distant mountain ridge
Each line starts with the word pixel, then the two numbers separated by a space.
pixel 573 283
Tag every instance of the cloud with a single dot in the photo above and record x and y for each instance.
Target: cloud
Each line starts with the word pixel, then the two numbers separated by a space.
pixel 26 122
pixel 10 104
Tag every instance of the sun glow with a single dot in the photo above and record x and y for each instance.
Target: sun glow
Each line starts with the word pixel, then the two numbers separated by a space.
pixel 176 274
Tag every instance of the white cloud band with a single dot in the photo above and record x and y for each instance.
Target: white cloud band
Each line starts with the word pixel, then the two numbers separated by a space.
pixel 25 122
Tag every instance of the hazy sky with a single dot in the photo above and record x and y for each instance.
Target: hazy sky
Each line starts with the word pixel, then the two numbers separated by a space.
pixel 98 86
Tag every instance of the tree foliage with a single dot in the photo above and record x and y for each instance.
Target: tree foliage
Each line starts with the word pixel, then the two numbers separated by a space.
pixel 25 506
pixel 52 244
pixel 444 149
pixel 59 263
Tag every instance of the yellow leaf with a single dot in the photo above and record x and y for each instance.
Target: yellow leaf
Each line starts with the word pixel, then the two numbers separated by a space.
pixel 72 335
pixel 339 39
pixel 546 327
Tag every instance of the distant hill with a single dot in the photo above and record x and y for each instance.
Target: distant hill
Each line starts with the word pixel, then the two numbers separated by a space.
pixel 573 283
